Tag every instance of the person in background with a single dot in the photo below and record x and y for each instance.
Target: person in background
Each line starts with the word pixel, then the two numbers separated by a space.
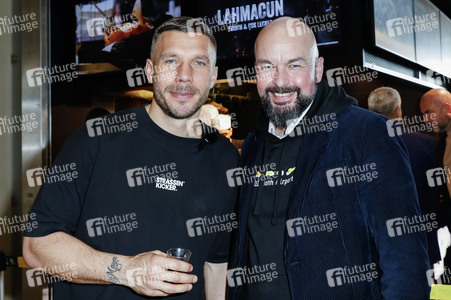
pixel 422 156
pixel 320 208
pixel 436 107
pixel 142 191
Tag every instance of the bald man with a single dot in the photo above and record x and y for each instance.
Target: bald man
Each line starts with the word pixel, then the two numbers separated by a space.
pixel 327 195
pixel 436 107
pixel 422 156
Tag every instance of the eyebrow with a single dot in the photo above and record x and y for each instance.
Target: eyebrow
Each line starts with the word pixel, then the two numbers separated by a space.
pixel 265 61
pixel 297 59
pixel 171 54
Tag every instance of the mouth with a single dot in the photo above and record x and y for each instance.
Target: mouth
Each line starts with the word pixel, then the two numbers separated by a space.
pixel 283 98
pixel 182 95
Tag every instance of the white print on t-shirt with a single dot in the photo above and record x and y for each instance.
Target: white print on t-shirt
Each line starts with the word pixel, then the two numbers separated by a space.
pixel 168 184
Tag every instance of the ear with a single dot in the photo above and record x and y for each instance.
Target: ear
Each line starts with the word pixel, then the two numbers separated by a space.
pixel 319 69
pixel 398 112
pixel 447 110
pixel 214 77
pixel 149 70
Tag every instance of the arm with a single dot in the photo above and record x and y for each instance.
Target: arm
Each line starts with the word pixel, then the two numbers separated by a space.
pixel 402 258
pixel 215 280
pixel 96 267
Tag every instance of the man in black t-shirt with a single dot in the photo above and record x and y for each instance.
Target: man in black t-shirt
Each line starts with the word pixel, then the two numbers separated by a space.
pixel 129 183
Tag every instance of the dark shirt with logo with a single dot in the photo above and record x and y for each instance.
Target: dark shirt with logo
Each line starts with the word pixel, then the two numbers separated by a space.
pixel 267 221
pixel 139 188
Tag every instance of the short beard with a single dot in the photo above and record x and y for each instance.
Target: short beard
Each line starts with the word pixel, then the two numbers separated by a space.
pixel 280 117
pixel 184 112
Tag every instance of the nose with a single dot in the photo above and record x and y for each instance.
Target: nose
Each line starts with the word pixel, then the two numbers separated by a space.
pixel 281 77
pixel 184 73
pixel 426 118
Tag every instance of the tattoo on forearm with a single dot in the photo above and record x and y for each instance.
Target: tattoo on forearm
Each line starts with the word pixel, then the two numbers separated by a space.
pixel 115 266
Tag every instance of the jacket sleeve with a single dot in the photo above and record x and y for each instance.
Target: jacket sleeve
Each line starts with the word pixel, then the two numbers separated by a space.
pixel 390 206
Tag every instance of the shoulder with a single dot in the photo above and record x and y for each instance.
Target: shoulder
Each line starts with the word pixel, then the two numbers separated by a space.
pixel 224 150
pixel 355 113
pixel 362 121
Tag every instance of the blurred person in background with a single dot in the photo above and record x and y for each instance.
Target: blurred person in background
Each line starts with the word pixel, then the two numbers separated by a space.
pixel 422 156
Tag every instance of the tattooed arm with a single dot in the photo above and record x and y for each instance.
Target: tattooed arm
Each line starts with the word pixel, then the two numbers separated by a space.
pixel 159 274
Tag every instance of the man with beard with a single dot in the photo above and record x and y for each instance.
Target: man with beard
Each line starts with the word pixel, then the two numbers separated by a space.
pixel 329 210
pixel 142 191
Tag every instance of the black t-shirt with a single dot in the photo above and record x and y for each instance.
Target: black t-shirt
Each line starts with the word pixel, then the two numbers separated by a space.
pixel 267 218
pixel 138 189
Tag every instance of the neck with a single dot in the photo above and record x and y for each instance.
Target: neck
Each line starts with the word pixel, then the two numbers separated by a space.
pixel 279 131
pixel 178 127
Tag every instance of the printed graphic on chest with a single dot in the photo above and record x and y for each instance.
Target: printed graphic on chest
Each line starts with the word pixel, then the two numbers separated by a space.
pixel 270 178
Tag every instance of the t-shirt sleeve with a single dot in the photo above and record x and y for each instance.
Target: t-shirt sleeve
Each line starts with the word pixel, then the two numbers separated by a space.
pixel 220 250
pixel 58 204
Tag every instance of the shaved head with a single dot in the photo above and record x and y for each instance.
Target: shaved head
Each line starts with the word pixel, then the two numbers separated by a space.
pixel 436 106
pixel 437 96
pixel 288 69
pixel 291 30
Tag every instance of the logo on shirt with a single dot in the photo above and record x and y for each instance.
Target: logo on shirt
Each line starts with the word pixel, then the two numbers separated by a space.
pixel 110 225
pixel 207 225
pixel 41 276
pixel 407 225
pixel 57 173
pixel 347 175
pixel 309 225
pixel 250 275
pixel 349 275
pixel 111 124
pixel 163 176
pixel 254 174
pixel 168 184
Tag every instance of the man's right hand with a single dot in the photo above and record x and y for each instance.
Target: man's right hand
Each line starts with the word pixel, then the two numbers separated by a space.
pixel 151 273
pixel 157 275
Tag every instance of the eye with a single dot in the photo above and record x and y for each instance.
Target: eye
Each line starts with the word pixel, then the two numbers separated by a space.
pixel 170 61
pixel 199 63
pixel 295 66
pixel 266 67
